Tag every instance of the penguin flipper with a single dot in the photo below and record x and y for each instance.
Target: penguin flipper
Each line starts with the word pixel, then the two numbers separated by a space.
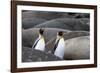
pixel 35 43
pixel 55 46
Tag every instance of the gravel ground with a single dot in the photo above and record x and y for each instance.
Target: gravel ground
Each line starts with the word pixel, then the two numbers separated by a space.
pixel 30 55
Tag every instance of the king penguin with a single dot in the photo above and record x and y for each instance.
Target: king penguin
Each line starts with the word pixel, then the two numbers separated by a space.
pixel 59 45
pixel 39 44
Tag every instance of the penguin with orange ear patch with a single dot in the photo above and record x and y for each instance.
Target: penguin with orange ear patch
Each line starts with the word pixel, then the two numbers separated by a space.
pixel 40 42
pixel 59 45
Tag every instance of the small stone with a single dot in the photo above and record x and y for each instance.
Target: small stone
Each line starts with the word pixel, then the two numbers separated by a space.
pixel 49 51
pixel 46 57
pixel 39 59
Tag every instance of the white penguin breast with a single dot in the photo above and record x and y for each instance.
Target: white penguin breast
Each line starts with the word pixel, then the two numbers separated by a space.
pixel 40 45
pixel 60 48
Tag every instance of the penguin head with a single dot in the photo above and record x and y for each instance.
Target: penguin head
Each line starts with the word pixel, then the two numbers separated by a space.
pixel 41 31
pixel 60 33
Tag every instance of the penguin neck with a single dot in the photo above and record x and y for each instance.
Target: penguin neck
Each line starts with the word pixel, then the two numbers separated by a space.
pixel 59 37
pixel 40 36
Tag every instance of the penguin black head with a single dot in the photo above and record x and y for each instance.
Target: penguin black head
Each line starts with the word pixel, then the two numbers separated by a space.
pixel 60 33
pixel 41 31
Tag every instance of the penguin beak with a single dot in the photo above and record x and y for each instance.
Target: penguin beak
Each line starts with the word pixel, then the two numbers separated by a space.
pixel 64 33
